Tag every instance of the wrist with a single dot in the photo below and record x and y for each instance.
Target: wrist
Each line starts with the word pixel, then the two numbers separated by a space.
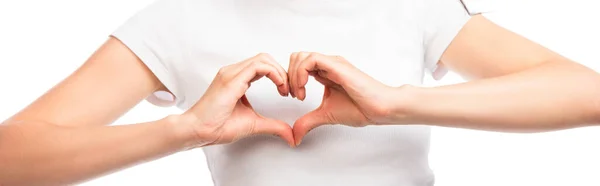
pixel 180 131
pixel 406 100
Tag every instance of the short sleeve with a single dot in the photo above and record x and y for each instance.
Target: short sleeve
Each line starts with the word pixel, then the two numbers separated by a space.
pixel 152 34
pixel 444 20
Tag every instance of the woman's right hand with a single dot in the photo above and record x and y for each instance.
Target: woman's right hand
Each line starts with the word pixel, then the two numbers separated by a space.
pixel 224 115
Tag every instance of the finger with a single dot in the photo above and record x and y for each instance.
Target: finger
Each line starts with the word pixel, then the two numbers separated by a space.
pixel 283 89
pixel 315 62
pixel 293 59
pixel 257 69
pixel 301 74
pixel 238 67
pixel 308 122
pixel 299 90
pixel 322 80
pixel 275 127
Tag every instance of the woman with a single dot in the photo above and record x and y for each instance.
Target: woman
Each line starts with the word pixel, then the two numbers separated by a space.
pixel 205 54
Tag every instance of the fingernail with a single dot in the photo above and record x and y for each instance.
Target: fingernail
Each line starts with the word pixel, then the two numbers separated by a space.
pixel 298 143
pixel 302 94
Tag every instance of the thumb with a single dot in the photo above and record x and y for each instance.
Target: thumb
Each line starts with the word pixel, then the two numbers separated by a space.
pixel 308 122
pixel 274 127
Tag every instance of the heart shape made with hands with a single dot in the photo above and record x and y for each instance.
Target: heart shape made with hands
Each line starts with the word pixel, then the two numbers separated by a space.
pixel 350 96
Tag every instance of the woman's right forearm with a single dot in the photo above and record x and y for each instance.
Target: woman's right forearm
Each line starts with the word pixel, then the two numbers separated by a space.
pixel 35 153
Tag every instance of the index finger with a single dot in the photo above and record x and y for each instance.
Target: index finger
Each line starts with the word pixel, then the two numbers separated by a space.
pixel 257 70
pixel 315 62
pixel 269 59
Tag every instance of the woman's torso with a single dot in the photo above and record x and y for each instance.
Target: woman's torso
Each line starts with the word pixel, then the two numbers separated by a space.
pixel 382 38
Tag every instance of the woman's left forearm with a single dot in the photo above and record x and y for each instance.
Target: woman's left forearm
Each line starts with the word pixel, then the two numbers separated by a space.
pixel 551 96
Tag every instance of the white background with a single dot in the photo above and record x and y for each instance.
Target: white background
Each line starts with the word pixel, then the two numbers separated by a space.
pixel 43 41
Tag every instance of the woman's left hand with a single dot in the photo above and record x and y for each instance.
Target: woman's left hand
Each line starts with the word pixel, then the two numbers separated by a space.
pixel 351 97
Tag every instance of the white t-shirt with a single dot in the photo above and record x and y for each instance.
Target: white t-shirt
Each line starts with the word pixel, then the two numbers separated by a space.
pixel 185 42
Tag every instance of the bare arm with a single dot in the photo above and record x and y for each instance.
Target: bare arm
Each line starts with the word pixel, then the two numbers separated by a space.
pixel 60 138
pixel 517 85
pixel 109 83
pixel 37 153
